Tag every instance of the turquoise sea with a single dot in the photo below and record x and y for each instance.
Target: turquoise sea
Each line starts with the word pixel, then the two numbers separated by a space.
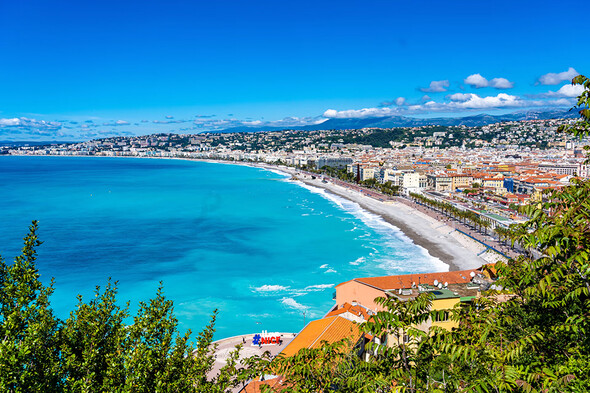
pixel 265 251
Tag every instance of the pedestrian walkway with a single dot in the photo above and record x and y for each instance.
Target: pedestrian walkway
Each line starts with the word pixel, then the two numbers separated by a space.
pixel 228 345
pixel 487 241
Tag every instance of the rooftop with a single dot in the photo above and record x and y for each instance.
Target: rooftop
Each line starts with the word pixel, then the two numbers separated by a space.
pixel 405 281
pixel 330 329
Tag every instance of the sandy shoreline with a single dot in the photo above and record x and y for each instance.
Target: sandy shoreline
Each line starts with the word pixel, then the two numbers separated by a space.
pixel 439 238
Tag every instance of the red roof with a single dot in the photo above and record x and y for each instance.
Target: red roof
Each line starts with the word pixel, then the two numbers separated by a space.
pixel 357 310
pixel 405 281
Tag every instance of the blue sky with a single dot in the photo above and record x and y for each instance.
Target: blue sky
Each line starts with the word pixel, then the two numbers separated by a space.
pixel 195 65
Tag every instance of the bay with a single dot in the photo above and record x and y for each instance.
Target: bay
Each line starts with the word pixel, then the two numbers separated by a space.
pixel 263 250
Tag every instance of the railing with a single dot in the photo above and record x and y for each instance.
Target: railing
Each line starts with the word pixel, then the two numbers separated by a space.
pixel 487 245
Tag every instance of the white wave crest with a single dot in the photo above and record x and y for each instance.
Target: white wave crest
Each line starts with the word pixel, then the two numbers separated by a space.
pixel 271 288
pixel 291 303
pixel 278 172
pixel 318 287
pixel 383 228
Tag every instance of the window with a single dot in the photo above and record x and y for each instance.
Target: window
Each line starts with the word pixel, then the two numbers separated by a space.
pixel 441 316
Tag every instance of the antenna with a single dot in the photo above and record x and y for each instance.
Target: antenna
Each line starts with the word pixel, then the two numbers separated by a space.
pixel 472 274
pixel 435 283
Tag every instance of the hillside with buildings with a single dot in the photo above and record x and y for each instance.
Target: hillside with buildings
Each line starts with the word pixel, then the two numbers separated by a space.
pixel 488 170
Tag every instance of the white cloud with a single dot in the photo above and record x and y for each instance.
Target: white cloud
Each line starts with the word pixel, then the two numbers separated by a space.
pixel 474 101
pixel 271 288
pixel 556 78
pixel 117 123
pixel 501 83
pixel 253 122
pixel 565 91
pixel 291 303
pixel 399 101
pixel 24 122
pixel 10 122
pixel 359 113
pixel 457 102
pixel 436 87
pixel 330 271
pixel 476 80
pixel 459 97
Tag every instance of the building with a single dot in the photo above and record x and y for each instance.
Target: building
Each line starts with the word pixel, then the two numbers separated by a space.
pixel 461 181
pixel 363 172
pixel 334 162
pixel 440 182
pixel 330 329
pixel 447 288
pixel 494 183
pixel 562 168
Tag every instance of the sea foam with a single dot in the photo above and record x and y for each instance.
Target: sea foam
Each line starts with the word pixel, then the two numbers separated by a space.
pixel 425 262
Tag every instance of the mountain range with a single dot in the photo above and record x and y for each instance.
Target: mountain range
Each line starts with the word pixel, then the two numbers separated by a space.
pixel 404 121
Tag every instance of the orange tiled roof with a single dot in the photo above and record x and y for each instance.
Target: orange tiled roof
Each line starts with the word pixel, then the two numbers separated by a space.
pixel 347 307
pixel 406 280
pixel 330 329
pixel 256 386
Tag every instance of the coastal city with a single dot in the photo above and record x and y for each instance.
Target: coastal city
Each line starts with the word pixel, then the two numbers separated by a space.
pixel 294 197
pixel 459 188
pixel 487 170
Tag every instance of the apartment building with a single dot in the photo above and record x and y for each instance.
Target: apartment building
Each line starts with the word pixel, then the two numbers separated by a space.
pixel 447 288
pixel 461 181
pixel 440 182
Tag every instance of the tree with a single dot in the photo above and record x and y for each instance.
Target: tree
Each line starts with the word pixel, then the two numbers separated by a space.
pixel 29 349
pixel 582 127
pixel 403 344
pixel 92 340
pixel 94 349
pixel 331 367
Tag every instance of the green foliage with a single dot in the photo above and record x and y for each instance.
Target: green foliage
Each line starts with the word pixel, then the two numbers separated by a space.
pixel 91 341
pixel 28 329
pixel 330 367
pixel 451 211
pixel 95 350
pixel 402 347
pixel 582 127
pixel 375 137
pixel 531 335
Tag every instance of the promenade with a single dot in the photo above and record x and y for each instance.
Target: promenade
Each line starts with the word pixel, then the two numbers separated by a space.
pixel 487 240
pixel 469 234
pixel 228 345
